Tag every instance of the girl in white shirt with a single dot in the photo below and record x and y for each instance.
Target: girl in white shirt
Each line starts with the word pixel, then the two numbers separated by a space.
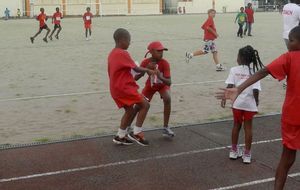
pixel 245 106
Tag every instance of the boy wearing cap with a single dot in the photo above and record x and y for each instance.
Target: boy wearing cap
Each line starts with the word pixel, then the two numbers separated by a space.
pixel 124 90
pixel 158 83
pixel 210 34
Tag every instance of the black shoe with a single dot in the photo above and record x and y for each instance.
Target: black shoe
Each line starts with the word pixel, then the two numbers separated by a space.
pixel 32 39
pixel 249 35
pixel 45 40
pixel 122 141
pixel 56 36
pixel 139 138
pixel 50 37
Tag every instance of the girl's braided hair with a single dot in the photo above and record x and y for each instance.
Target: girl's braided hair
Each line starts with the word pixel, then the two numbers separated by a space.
pixel 249 55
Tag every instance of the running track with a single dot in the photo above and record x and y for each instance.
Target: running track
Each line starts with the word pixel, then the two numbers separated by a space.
pixel 197 158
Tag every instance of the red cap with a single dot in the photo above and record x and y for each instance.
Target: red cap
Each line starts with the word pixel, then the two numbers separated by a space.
pixel 156 45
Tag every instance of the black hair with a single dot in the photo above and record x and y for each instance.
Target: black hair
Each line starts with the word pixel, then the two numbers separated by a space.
pixel 295 32
pixel 121 33
pixel 249 55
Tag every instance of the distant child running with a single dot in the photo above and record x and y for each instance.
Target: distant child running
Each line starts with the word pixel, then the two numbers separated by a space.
pixel 124 89
pixel 87 19
pixel 42 18
pixel 245 106
pixel 158 83
pixel 285 66
pixel 241 17
pixel 57 16
pixel 210 34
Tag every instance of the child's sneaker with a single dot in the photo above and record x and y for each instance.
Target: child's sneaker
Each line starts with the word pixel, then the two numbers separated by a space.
pixel 167 132
pixel 188 57
pixel 50 37
pixel 235 154
pixel 247 158
pixel 220 67
pixel 45 40
pixel 122 141
pixel 56 36
pixel 32 39
pixel 139 138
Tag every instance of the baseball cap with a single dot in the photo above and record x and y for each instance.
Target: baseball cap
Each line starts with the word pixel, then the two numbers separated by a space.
pixel 156 45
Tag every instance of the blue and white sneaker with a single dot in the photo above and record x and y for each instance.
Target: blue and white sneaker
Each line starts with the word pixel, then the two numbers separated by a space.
pixel 167 132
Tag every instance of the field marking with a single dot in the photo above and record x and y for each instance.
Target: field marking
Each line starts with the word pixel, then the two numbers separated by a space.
pixel 126 162
pixel 253 182
pixel 94 92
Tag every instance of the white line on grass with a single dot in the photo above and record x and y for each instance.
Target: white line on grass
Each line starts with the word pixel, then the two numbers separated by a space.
pixel 94 92
pixel 126 162
pixel 253 183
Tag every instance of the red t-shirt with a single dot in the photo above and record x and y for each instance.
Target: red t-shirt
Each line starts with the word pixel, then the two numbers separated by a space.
pixel 209 23
pixel 42 19
pixel 250 13
pixel 57 16
pixel 163 67
pixel 122 83
pixel 288 66
pixel 87 17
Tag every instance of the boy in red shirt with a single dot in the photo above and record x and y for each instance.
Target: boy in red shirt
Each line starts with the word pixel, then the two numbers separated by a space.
pixel 87 19
pixel 210 34
pixel 250 19
pixel 158 83
pixel 57 16
pixel 285 66
pixel 124 89
pixel 42 18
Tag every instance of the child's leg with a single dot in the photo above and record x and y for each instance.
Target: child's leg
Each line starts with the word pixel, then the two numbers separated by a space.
pixel 286 161
pixel 52 33
pixel 48 31
pixel 215 57
pixel 198 52
pixel 90 31
pixel 144 107
pixel 235 134
pixel 248 135
pixel 59 29
pixel 86 32
pixel 167 106
pixel 127 117
pixel 40 30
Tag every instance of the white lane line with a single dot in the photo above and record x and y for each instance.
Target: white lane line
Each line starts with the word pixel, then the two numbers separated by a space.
pixel 253 183
pixel 125 162
pixel 94 92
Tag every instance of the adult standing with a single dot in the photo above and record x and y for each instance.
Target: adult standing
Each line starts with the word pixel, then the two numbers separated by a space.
pixel 291 18
pixel 250 19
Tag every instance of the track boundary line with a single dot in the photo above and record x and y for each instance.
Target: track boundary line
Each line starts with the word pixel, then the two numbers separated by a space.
pixel 127 162
pixel 93 92
pixel 253 182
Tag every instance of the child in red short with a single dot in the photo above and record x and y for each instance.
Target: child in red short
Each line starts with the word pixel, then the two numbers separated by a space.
pixel 56 18
pixel 42 18
pixel 124 89
pixel 87 19
pixel 158 83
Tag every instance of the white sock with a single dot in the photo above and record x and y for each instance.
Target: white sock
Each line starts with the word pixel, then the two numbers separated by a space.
pixel 137 130
pixel 122 133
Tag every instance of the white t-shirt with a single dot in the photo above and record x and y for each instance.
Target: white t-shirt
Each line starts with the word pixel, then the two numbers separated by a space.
pixel 245 101
pixel 291 18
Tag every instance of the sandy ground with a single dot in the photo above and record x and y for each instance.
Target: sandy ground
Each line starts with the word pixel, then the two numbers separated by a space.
pixel 38 80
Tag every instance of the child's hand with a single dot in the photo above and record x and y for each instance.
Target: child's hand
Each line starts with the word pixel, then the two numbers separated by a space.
pixel 223 103
pixel 150 72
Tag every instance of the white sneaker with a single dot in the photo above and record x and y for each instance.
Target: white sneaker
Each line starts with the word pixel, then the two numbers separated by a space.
pixel 247 158
pixel 167 132
pixel 220 67
pixel 87 39
pixel 235 154
pixel 188 57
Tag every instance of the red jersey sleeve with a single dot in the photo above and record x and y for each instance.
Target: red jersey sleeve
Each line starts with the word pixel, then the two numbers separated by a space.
pixel 144 63
pixel 126 60
pixel 207 23
pixel 279 67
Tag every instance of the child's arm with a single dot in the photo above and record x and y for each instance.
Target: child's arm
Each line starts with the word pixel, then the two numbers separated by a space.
pixel 138 76
pixel 256 95
pixel 237 16
pixel 144 70
pixel 233 93
pixel 223 101
pixel 165 80
pixel 212 31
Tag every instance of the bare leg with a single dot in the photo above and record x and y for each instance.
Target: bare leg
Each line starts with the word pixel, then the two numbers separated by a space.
pixel 144 107
pixel 235 133
pixel 52 33
pixel 59 29
pixel 167 107
pixel 129 111
pixel 248 134
pixel 286 161
pixel 215 57
pixel 198 52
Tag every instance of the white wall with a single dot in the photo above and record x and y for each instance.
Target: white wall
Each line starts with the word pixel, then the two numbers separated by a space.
pixel 150 7
pixel 12 5
pixel 201 6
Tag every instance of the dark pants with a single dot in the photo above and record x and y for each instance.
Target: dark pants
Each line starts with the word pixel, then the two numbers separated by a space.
pixel 248 27
pixel 240 31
